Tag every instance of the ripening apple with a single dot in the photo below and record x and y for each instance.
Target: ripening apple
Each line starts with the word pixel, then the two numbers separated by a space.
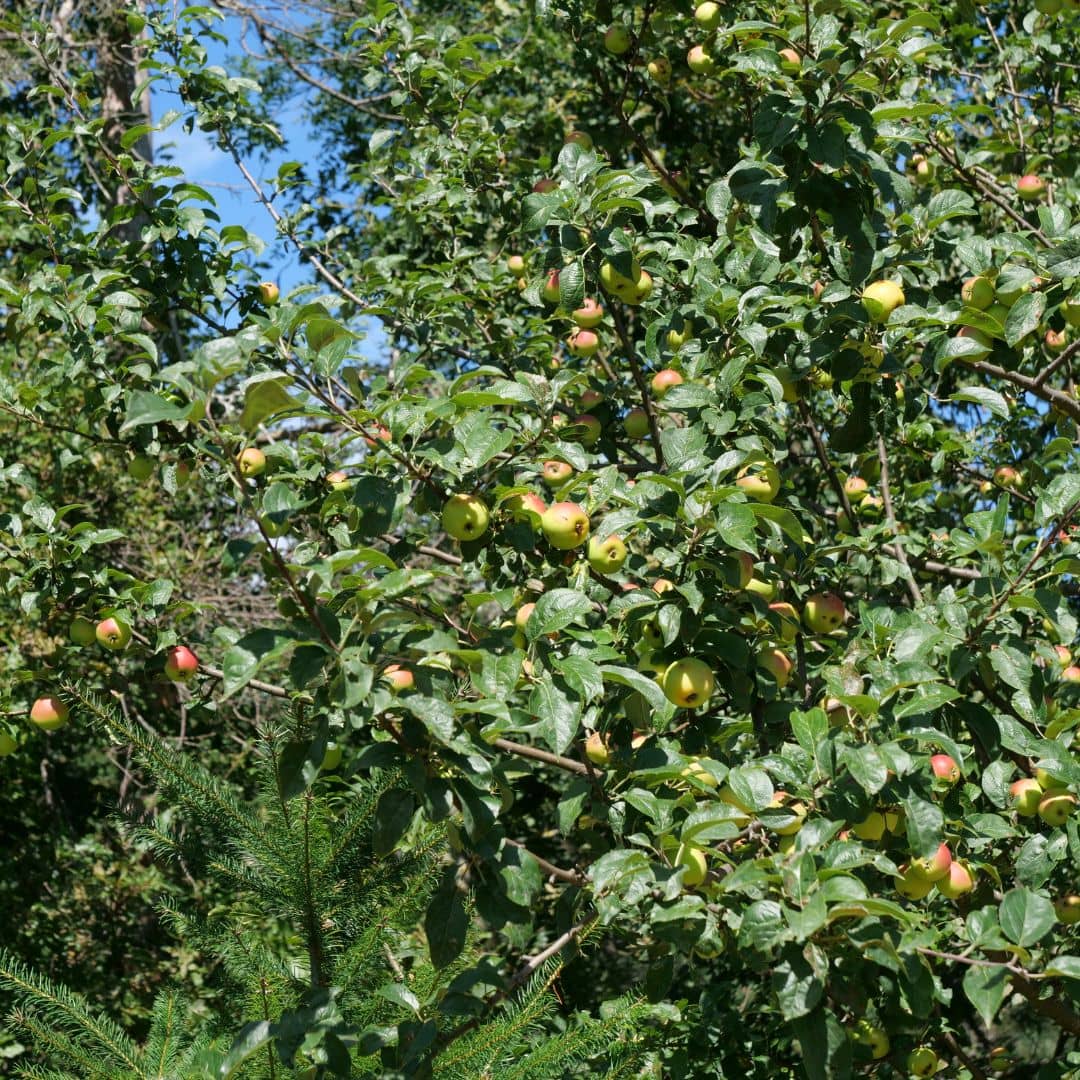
pixel 1062 656
pixel 956 882
pixel 518 504
pixel 707 15
pixel 398 677
pixel 872 1037
pixel 983 340
pixel 465 517
pixel 49 713
pixel 550 289
pixel 269 292
pixel 337 480
pixel 663 381
pixel 824 612
pixel 565 525
pixel 1071 674
pixel 1007 477
pixel 583 344
pixel 141 467
pixel 746 568
pixel 589 315
pixel 881 299
pixel 591 398
pixel 688 683
pixel 1056 806
pixel 1046 781
pixel 1026 796
pixel 617 39
pixel 695 864
pixel 593 428
pixel 1030 187
pixel 659 70
pixel 977 292
pixel 636 423
pixel 696 771
pixel 790 60
pixel 933 867
pixel 516 265
pixel 777 664
pixel 871 828
pixel 789 619
pixel 1055 341
pixel 945 768
pixel 251 462
pixel 555 473
pixel 380 434
pixel 1067 909
pixel 922 170
pixel 579 138
pixel 779 800
pixel 856 489
pixel 699 61
pixel 838 713
pixel 676 339
pixel 760 481
pixel 923 1061
pixel 331 757
pixel 597 749
pixel 7 744
pixel 113 633
pixel 81 631
pixel 912 886
pixel 606 556
pixel 181 664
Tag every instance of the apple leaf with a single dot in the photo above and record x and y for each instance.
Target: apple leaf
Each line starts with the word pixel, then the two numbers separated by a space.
pixel 1025 916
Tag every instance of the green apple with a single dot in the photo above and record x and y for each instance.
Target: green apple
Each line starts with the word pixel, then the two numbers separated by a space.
pixel 617 39
pixel 871 828
pixel 7 744
pixel 823 613
pixel 589 315
pixel 1030 187
pixel 922 170
pixel 696 867
pixel 676 339
pixel 49 713
pixel 579 138
pixel 760 587
pixel 81 631
pixel 1067 909
pixel 636 424
pixel 872 1037
pixel 696 771
pixel 516 265
pixel 1070 309
pixel 856 489
pixel 659 70
pixel 956 882
pixel 688 683
pixel 113 633
pixel 251 462
pixel 1007 477
pixel 881 299
pixel 597 749
pixel 1026 796
pixel 980 338
pixel 1056 806
pixel 923 1061
pixel 555 473
pixel 338 481
pixel 708 15
pixel 565 525
pixel 760 481
pixel 268 292
pixel 331 757
pixel 141 467
pixel 699 61
pixel 728 796
pixel 465 517
pixel 912 886
pixel 798 809
pixel 789 620
pixel 1000 1060
pixel 777 664
pixel 977 292
pixel 606 556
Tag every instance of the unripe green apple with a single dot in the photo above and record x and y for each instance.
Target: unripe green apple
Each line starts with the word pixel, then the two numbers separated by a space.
pixel 789 620
pixel 7 744
pixel 606 556
pixel 1067 909
pixel 798 809
pixel 49 713
pixel 922 170
pixel 956 882
pixel 1056 806
pixel 977 292
pixel 871 828
pixel 881 299
pixel 856 489
pixel 331 757
pixel 696 771
pixel 761 587
pixel 688 683
pixel 591 398
pixel 617 39
pixel 596 749
pixel 181 664
pixel 699 61
pixel 729 797
pixel 760 481
pixel 465 517
pixel 636 423
pixel 676 339
pixel 708 15
pixel 516 265
pixel 659 70
pixel 631 290
pixel 583 344
pixel 777 664
pixel 663 381
pixel 872 1037
pixel 251 462
pixel 1000 1060
pixel 81 631
pixel 933 867
pixel 1030 187
pixel 113 633
pixel 696 866
pixel 269 292
pixel 141 467
pixel 945 768
pixel 912 886
pixel 1070 309
pixel 589 315
pixel 922 1061
pixel 1026 796
pixel 273 526
pixel 823 613
pixel 555 473
pixel 565 525
pixel 1045 780
pixel 838 713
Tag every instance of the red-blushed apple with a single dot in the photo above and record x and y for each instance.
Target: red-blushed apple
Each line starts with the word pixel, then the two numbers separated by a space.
pixel 823 613
pixel 636 424
pixel 790 60
pixel 579 138
pixel 789 619
pixel 380 434
pixel 746 568
pixel 251 462
pixel 933 867
pixel 881 299
pixel 544 185
pixel 7 744
pixel 777 664
pixel 555 473
pixel 526 501
pixel 818 288
pixel 465 517
pixel 181 664
pixel 597 749
pixel 269 292
pixel 871 828
pixel 1071 674
pixel 113 633
pixel 688 683
pixel 606 556
pixel 398 677
pixel 617 39
pixel 593 428
pixel 945 768
pixel 1007 477
pixel 708 15
pixel 550 289
pixel 663 585
pixel 591 398
pixel 759 480
pixel 1030 187
pixel 589 315
pixel 872 1037
pixel 1056 806
pixel 81 631
pixel 1026 796
pixel 337 480
pixel 923 1061
pixel 659 70
pixel 1067 909
pixel 912 886
pixel 956 882
pixel 1055 341
pixel 856 489
pixel 1062 656
pixel 663 381
pixel 977 292
pixel 49 713
pixel 583 344
pixel 516 265
pixel 565 525
pixel 699 61
pixel 695 865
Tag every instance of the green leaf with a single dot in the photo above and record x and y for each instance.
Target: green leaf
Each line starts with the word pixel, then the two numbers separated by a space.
pixel 984 396
pixel 143 407
pixel 1025 916
pixel 554 610
pixel 393 815
pixel 446 922
pixel 264 397
pixel 824 1046
pixel 558 716
pixel 645 686
pixel 1066 966
pixel 985 988
pixel 1024 317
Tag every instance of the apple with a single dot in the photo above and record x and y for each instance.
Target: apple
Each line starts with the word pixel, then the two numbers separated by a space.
pixel 746 568
pixel 1067 909
pixel 181 664
pixel 838 713
pixel 798 809
pixel 871 828
pixel 550 289
pixel 182 474
pixel 49 713
pixel 881 299
pixel 580 138
pixel 381 434
pixel 912 886
pixel 631 290
pixel 1026 795
pixel 1046 781
pixel 141 467
pixel 977 292
pixel 589 315
pixel 1071 674
pixel 273 527
pixel 1030 187
pixel 565 525
pixel 693 860
pixel 398 677
pixel 729 797
pixel 983 340
pixel 1007 477
pixel 583 343
pixel 1063 656
pixel 636 423
pixel 662 585
pixel 251 462
pixel 824 612
pixel 81 631
pixel 945 768
pixel 593 428
pixel 659 70
pixel 331 757
pixel 699 61
pixel 696 771
pixel 1056 806
pixel 7 744
pixel 761 481
pixel 676 339
pixel 1055 340
pixel 465 517
pixel 544 185
pixel 337 480
pixel 688 683
pixel 555 473
pixel 789 620
pixel 663 381
pixel 923 1061
pixel 708 15
pixel 617 39
pixel 856 489
pixel 956 882
pixel 922 170
pixel 765 589
pixel 606 556
pixel 933 867
pixel 519 504
pixel 597 749
pixel 1000 1060
pixel 790 60
pixel 1070 308
pixel 777 664
pixel 113 633
pixel 872 1037
pixel 268 292
pixel 591 398
pixel 516 265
